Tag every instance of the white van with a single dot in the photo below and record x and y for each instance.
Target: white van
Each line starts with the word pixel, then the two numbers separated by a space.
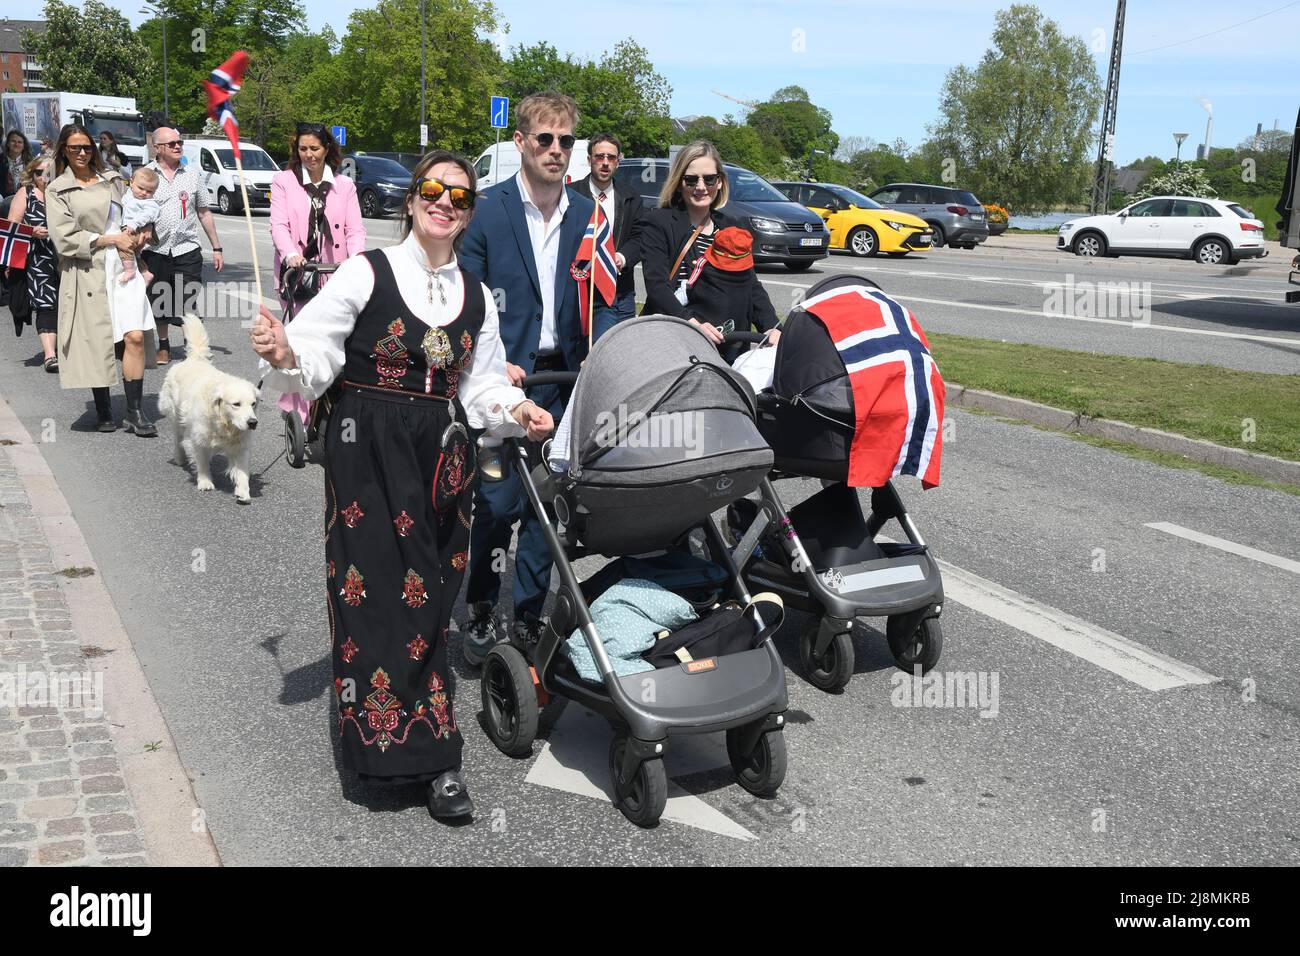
pixel 488 173
pixel 216 160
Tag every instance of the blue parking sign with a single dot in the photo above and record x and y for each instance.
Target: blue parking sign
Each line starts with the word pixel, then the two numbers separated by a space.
pixel 340 134
pixel 500 112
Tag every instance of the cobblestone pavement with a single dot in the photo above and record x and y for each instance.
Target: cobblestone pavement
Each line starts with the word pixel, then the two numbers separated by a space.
pixel 63 799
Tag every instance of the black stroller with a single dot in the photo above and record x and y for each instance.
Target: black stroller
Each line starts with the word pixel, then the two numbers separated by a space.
pixel 823 557
pixel 625 493
pixel 303 439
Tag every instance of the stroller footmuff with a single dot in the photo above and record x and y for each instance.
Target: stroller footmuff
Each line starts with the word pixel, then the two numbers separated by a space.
pixel 855 400
pixel 660 434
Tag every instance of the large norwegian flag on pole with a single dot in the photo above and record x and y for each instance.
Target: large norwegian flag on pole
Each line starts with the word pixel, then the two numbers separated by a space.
pixel 594 264
pixel 15 242
pixel 897 390
pixel 221 84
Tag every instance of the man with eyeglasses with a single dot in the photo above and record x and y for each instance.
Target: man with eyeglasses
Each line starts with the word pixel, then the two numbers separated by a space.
pixel 622 207
pixel 523 239
pixel 175 259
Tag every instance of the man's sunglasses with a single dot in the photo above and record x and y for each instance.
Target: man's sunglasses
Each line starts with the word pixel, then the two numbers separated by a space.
pixel 167 145
pixel 710 180
pixel 431 190
pixel 546 139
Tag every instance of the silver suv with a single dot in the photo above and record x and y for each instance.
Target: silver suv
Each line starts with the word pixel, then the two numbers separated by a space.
pixel 955 215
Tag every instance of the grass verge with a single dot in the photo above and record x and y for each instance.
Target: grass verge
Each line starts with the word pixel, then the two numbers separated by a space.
pixel 1254 411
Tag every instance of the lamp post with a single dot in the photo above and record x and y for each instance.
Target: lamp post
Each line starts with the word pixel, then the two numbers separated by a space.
pixel 1178 161
pixel 161 12
pixel 422 43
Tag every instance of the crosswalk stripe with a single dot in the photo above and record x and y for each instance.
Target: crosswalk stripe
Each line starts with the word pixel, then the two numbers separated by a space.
pixel 1223 544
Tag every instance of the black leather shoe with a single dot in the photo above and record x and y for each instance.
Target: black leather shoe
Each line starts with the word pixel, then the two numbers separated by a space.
pixel 449 797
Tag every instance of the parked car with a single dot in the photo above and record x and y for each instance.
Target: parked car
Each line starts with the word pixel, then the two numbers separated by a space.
pixel 784 231
pixel 955 215
pixel 488 173
pixel 381 183
pixel 1210 231
pixel 407 161
pixel 216 162
pixel 858 223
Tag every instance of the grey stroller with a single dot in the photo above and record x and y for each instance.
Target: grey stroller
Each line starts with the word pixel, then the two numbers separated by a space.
pixel 637 481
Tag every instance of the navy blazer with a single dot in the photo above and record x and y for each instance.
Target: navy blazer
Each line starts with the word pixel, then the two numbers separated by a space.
pixel 498 251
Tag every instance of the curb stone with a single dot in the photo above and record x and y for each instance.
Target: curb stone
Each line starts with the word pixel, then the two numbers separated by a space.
pixel 1197 449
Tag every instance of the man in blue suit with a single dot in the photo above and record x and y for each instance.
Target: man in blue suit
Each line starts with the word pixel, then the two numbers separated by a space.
pixel 521 242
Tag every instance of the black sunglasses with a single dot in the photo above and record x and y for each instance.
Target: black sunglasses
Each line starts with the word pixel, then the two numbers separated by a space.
pixel 710 180
pixel 315 129
pixel 79 148
pixel 431 190
pixel 545 139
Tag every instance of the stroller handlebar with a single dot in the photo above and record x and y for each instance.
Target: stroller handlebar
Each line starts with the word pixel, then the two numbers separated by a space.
pixel 549 378
pixel 734 338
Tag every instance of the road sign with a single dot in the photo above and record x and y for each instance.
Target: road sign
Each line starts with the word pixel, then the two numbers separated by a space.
pixel 340 134
pixel 424 135
pixel 500 112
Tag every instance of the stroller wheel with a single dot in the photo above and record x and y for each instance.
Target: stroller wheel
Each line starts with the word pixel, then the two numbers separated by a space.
pixel 922 646
pixel 762 771
pixel 510 708
pixel 641 799
pixel 295 440
pixel 831 671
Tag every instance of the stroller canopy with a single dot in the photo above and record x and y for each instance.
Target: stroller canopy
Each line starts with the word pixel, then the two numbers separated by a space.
pixel 860 363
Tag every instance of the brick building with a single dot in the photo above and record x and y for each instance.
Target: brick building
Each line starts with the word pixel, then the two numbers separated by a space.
pixel 18 72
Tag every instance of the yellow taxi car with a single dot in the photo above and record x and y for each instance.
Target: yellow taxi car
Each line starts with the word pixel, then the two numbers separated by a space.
pixel 858 223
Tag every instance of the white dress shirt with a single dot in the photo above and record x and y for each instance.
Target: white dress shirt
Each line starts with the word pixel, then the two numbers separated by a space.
pixel 326 175
pixel 319 332
pixel 545 239
pixel 607 204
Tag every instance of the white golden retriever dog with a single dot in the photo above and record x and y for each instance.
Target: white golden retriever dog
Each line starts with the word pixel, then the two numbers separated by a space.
pixel 211 412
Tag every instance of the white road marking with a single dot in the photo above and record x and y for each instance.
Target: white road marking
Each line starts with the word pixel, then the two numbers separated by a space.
pixel 576 759
pixel 1038 313
pixel 1263 557
pixel 1117 654
pixel 1096 645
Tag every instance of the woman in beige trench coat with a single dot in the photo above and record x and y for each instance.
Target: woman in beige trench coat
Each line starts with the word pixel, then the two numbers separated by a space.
pixel 77 210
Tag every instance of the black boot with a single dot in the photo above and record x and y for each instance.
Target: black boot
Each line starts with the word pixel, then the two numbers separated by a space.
pixel 104 410
pixel 135 420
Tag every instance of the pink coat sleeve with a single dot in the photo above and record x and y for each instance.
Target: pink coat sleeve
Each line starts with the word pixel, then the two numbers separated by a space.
pixel 281 211
pixel 354 228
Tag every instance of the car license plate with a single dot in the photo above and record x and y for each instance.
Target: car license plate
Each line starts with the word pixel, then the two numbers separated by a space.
pixel 977 215
pixel 924 239
pixel 810 242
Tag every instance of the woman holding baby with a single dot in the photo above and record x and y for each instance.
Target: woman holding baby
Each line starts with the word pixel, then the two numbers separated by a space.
pixel 83 210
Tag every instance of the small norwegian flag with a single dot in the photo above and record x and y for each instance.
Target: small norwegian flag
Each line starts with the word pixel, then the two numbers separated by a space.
pixel 595 262
pixel 221 84
pixel 15 241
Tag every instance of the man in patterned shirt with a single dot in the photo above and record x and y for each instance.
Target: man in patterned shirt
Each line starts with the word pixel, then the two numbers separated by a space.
pixel 175 260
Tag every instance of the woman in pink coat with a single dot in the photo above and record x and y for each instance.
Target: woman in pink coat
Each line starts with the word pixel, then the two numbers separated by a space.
pixel 314 215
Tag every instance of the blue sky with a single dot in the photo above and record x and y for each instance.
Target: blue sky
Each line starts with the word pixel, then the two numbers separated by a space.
pixel 878 67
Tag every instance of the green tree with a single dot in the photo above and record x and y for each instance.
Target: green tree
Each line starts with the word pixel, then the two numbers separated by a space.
pixel 738 143
pixel 794 124
pixel 1187 180
pixel 1020 125
pixel 92 50
pixel 375 77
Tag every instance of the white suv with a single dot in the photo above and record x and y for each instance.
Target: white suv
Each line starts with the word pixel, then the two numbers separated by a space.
pixel 1210 231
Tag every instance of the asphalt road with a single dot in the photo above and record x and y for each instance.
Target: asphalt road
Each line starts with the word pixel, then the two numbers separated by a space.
pixel 1056 585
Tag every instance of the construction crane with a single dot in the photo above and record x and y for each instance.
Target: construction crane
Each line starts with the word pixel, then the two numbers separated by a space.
pixel 745 103
pixel 1106 148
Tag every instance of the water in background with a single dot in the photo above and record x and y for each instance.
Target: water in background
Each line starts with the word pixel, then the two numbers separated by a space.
pixel 1046 221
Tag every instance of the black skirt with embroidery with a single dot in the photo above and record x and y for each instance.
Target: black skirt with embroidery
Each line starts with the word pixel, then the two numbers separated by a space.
pixel 398 466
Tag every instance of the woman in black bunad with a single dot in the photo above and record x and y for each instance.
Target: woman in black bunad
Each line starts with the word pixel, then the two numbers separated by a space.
pixel 415 343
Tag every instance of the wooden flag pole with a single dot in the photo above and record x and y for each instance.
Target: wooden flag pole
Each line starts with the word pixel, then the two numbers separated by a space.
pixel 591 283
pixel 252 239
